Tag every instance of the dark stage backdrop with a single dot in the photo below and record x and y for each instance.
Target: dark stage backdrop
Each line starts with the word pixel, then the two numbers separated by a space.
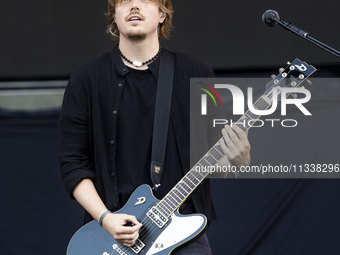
pixel 256 216
pixel 51 38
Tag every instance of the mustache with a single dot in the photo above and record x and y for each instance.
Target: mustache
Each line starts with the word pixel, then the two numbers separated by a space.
pixel 135 13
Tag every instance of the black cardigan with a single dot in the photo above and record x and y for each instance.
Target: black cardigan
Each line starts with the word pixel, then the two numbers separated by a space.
pixel 87 126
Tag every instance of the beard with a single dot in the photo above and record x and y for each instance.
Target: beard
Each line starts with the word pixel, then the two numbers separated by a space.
pixel 137 36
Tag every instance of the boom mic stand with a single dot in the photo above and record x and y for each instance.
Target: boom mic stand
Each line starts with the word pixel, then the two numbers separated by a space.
pixel 271 18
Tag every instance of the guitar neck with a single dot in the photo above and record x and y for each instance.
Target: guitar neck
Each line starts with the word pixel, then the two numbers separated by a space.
pixel 175 198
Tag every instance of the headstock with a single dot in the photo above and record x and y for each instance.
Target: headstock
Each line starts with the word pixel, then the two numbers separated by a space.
pixel 290 77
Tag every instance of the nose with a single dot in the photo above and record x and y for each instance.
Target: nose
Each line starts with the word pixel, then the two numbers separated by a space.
pixel 135 4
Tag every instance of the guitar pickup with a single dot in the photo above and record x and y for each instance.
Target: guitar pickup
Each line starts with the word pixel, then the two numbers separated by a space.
pixel 157 217
pixel 138 246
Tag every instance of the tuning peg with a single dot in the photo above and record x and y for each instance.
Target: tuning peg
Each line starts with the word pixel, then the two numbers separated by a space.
pixel 273 76
pixel 301 76
pixel 309 82
pixel 288 63
pixel 281 70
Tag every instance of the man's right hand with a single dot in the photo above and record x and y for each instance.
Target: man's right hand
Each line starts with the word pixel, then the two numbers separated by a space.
pixel 123 227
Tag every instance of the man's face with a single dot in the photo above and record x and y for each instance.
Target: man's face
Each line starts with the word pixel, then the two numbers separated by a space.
pixel 138 19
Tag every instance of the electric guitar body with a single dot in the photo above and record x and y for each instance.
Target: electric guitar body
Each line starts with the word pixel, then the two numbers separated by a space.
pixel 158 235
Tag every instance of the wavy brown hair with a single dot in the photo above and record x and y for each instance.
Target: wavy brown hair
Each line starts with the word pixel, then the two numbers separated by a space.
pixel 165 6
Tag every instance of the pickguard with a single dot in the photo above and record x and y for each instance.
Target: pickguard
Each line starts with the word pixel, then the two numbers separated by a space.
pixel 180 230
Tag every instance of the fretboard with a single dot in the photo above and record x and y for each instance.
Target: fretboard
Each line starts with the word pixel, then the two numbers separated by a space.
pixel 201 169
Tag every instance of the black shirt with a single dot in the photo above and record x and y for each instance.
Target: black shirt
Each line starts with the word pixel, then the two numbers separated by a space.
pixel 134 138
pixel 134 133
pixel 88 125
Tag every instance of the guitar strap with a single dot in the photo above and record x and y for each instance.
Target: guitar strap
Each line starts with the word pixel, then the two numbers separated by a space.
pixel 162 116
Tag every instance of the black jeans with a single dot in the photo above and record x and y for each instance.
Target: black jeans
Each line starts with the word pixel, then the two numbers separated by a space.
pixel 198 247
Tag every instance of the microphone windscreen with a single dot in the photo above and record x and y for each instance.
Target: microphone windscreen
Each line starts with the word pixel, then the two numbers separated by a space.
pixel 270 18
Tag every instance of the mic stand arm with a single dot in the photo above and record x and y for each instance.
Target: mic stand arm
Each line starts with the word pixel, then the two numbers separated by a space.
pixel 290 27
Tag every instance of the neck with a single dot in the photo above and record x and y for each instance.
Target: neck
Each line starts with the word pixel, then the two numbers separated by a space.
pixel 138 51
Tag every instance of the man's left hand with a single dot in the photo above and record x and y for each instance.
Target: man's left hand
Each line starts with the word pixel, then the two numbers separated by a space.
pixel 235 145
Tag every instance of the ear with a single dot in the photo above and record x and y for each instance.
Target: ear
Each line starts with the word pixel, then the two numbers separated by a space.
pixel 162 17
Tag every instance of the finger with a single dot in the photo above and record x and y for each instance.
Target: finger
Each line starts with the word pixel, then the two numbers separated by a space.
pixel 232 134
pixel 128 230
pixel 132 219
pixel 243 143
pixel 228 139
pixel 240 133
pixel 224 147
pixel 127 240
pixel 130 237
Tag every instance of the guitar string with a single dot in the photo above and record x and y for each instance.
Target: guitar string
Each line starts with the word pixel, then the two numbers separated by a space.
pixel 143 234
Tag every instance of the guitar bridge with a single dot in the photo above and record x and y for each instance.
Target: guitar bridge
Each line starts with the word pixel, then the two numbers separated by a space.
pixel 137 248
pixel 117 249
pixel 157 217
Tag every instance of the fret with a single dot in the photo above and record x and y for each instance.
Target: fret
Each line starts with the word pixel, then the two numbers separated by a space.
pixel 185 187
pixel 182 190
pixel 186 177
pixel 243 127
pixel 165 210
pixel 242 122
pixel 161 210
pixel 190 173
pixel 186 184
pixel 197 180
pixel 170 202
pixel 177 194
pixel 166 201
pixel 197 177
pixel 217 151
pixel 180 193
pixel 205 161
pixel 211 160
pixel 251 115
pixel 261 104
pixel 173 194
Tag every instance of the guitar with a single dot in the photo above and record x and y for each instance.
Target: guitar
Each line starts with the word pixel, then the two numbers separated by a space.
pixel 164 228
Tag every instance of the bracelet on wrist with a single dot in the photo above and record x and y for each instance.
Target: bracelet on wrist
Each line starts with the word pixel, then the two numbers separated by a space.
pixel 102 217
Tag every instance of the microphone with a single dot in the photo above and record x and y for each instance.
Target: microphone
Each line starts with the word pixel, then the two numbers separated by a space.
pixel 271 18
